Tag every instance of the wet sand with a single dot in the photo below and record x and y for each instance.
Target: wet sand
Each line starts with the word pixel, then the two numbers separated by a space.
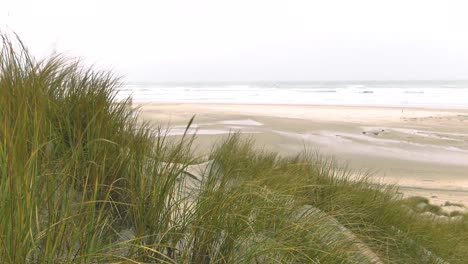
pixel 425 151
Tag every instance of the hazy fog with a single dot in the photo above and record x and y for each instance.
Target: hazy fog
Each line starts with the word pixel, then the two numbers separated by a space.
pixel 251 40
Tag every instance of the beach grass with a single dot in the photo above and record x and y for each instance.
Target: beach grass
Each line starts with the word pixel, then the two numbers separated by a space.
pixel 83 180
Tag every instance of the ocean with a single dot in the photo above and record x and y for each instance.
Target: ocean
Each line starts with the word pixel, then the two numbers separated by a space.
pixel 425 94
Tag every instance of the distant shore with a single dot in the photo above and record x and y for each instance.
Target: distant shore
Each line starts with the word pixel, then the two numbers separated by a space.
pixel 425 151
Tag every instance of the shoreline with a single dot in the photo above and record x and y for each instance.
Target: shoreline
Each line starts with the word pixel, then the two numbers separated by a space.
pixel 419 149
pixel 420 108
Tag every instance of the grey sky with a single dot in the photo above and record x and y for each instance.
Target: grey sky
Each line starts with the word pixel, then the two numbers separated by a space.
pixel 252 40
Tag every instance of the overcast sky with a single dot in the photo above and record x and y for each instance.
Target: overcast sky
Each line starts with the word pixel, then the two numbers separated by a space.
pixel 251 40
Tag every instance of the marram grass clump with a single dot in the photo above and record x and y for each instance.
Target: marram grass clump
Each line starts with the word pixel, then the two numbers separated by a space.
pixel 83 181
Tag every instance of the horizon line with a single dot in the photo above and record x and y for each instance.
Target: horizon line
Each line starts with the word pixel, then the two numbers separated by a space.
pixel 301 81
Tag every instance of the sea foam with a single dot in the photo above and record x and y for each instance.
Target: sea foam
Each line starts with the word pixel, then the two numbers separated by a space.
pixel 447 94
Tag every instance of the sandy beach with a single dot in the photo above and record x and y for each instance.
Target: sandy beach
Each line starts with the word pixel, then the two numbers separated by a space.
pixel 424 151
